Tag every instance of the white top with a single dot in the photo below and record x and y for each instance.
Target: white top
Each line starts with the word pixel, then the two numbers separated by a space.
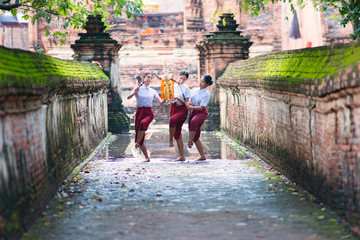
pixel 200 98
pixel 145 96
pixel 180 91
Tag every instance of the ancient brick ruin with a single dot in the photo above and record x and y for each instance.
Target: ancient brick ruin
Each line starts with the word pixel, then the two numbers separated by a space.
pixel 300 110
pixel 175 33
pixel 315 120
pixel 53 114
pixel 96 45
pixel 216 51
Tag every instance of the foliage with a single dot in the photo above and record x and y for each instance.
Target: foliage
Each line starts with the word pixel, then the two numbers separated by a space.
pixel 349 10
pixel 70 12
pixel 213 19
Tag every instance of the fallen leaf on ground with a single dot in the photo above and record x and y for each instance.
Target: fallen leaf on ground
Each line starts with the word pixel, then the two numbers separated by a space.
pixel 61 213
pixel 345 237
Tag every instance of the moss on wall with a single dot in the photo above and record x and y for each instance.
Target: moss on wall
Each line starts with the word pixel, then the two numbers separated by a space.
pixel 310 139
pixel 301 66
pixel 29 70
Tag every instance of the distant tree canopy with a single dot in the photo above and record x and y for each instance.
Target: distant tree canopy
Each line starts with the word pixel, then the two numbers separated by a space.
pixel 349 10
pixel 70 12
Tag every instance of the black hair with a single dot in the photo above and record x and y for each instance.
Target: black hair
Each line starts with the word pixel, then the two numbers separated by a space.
pixel 208 79
pixel 138 77
pixel 185 73
pixel 147 73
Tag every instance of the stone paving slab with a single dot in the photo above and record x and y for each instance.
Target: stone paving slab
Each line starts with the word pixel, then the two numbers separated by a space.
pixel 232 195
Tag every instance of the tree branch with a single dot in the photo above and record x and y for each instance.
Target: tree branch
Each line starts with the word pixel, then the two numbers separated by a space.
pixel 6 7
pixel 343 2
pixel 49 11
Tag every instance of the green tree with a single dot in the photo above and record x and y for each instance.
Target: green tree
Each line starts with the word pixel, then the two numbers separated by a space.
pixel 71 13
pixel 349 10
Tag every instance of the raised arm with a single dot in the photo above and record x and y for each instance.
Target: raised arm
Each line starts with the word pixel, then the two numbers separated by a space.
pixel 174 80
pixel 157 76
pixel 133 93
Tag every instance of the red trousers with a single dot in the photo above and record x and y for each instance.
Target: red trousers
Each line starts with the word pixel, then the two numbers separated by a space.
pixel 178 115
pixel 143 118
pixel 196 120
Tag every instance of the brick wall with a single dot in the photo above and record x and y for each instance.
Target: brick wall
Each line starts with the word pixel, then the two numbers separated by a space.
pixel 302 118
pixel 148 53
pixel 52 113
pixel 167 22
pixel 333 32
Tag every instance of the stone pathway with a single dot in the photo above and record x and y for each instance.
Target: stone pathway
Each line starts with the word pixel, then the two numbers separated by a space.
pixel 232 195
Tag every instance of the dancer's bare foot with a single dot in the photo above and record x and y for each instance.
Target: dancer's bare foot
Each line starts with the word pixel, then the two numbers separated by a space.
pixel 137 145
pixel 171 143
pixel 201 159
pixel 190 144
pixel 147 160
pixel 180 160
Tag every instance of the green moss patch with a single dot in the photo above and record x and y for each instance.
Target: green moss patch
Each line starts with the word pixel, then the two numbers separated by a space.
pixel 301 66
pixel 29 70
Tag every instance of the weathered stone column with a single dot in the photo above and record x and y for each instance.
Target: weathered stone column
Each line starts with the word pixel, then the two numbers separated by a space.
pixel 96 45
pixel 202 61
pixel 193 16
pixel 220 48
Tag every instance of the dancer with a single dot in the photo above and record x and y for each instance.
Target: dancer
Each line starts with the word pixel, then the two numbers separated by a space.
pixel 198 114
pixel 178 113
pixel 138 79
pixel 144 114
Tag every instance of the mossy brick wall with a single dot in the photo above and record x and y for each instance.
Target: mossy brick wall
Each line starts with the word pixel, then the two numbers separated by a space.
pixel 52 113
pixel 301 111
